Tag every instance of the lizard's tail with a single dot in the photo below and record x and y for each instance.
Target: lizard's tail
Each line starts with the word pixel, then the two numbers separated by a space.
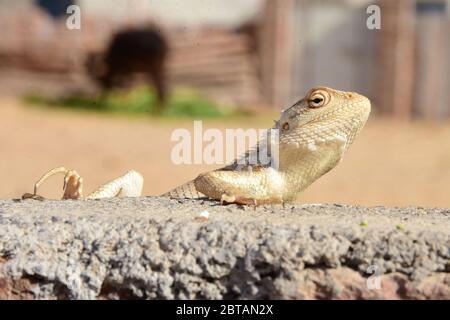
pixel 128 185
pixel 73 183
pixel 47 175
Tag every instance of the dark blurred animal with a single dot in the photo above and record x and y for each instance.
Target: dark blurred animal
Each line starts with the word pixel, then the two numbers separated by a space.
pixel 132 51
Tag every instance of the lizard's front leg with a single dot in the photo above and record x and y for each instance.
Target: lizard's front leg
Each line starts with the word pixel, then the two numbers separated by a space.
pixel 262 186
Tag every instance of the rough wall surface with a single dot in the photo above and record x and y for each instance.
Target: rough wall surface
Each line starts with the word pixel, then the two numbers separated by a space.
pixel 154 247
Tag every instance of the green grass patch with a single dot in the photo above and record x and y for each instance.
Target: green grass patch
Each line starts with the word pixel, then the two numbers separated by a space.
pixel 182 102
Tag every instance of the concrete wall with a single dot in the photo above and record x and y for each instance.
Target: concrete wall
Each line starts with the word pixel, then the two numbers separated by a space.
pixel 157 248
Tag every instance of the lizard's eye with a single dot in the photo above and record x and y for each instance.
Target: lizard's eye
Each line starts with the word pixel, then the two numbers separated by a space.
pixel 317 99
pixel 285 126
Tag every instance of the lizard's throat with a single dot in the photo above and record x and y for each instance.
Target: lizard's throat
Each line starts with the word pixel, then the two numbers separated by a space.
pixel 305 162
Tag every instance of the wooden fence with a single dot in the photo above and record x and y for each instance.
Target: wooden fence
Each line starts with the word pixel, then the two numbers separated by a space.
pixel 220 63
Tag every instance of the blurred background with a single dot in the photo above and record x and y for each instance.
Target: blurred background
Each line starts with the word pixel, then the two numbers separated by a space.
pixel 106 97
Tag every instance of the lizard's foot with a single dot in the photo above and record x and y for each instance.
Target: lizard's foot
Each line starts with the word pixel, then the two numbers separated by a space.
pixel 238 200
pixel 227 199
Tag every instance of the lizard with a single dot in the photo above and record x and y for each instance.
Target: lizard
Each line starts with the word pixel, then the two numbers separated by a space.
pixel 314 134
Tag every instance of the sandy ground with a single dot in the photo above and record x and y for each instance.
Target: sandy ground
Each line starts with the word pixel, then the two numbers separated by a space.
pixel 396 164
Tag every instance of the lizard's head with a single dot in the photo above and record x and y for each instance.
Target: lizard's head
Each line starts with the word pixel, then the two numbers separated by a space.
pixel 324 107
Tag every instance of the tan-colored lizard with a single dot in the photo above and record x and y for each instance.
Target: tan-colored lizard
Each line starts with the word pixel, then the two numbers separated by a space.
pixel 314 134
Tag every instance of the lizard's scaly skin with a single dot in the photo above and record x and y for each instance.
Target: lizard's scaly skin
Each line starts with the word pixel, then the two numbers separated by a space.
pixel 314 135
pixel 187 191
pixel 128 185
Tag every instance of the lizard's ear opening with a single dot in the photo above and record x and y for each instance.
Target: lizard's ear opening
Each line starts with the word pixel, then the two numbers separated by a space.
pixel 285 126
